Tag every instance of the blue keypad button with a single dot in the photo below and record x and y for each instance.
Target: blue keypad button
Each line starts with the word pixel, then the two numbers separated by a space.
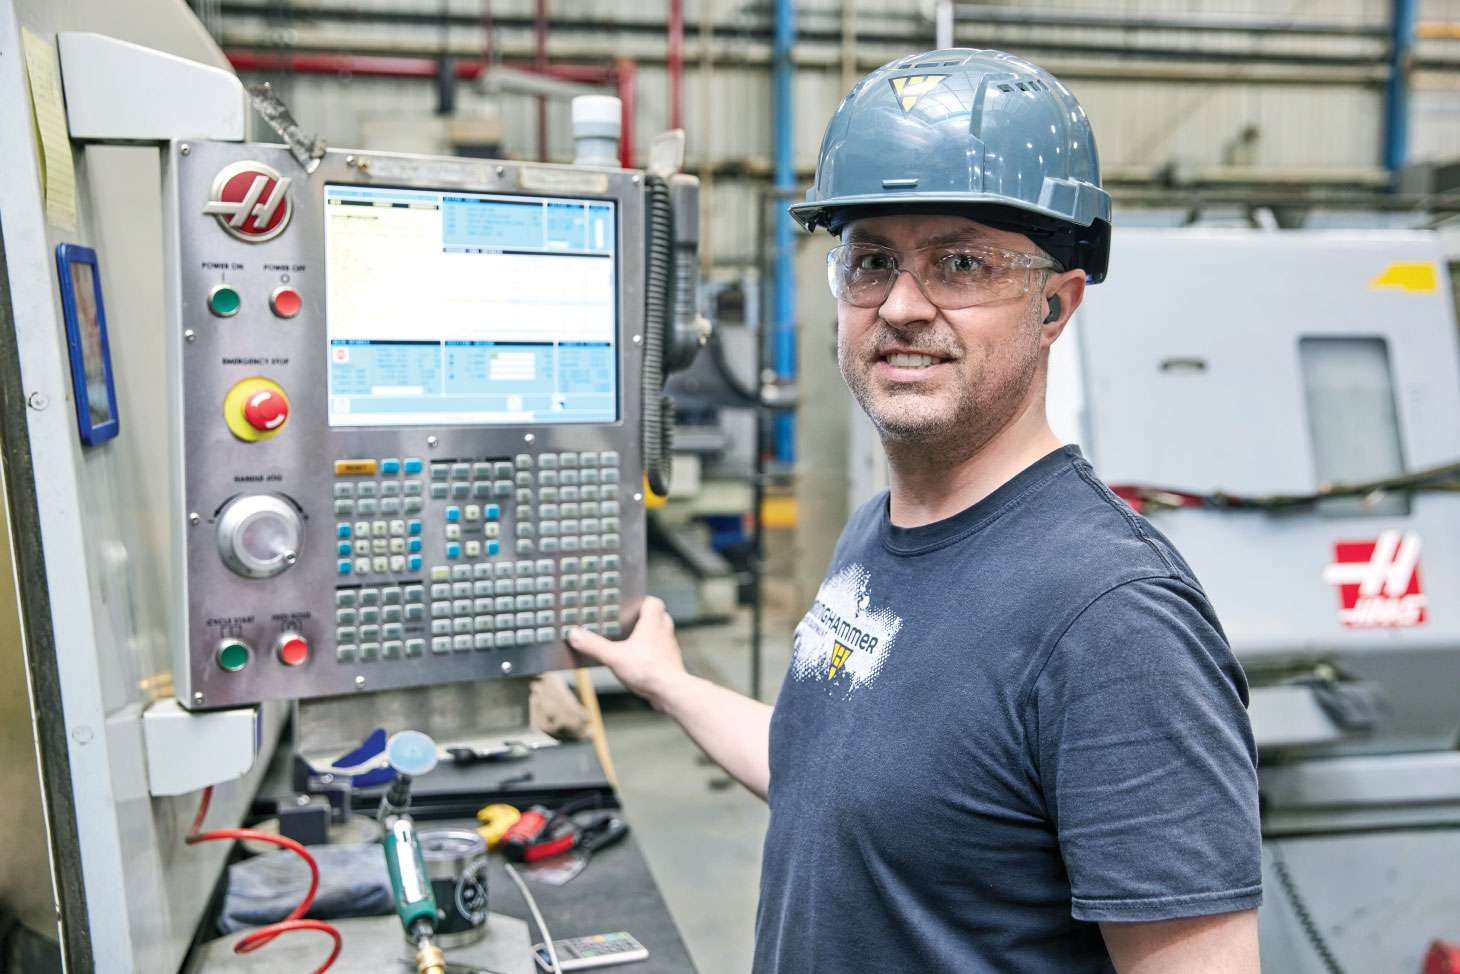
pixel 415 544
pixel 344 547
pixel 413 465
pixel 493 512
pixel 414 527
pixel 390 465
pixel 342 530
pixel 344 566
pixel 493 547
pixel 453 513
pixel 453 550
pixel 415 563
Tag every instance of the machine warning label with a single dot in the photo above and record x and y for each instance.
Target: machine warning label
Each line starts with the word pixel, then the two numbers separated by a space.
pixel 1378 581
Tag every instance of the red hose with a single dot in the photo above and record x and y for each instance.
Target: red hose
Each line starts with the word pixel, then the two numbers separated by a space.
pixel 294 921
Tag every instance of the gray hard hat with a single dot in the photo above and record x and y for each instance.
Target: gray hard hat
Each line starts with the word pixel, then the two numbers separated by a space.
pixel 981 133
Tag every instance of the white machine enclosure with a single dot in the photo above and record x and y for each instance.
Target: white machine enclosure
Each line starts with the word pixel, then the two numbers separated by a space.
pixel 1191 374
pixel 509 589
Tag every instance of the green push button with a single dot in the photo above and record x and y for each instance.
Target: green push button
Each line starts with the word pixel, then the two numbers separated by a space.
pixel 233 656
pixel 224 301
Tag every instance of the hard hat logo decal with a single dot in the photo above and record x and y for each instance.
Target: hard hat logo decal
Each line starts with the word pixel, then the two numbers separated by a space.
pixel 910 89
pixel 251 201
pixel 839 654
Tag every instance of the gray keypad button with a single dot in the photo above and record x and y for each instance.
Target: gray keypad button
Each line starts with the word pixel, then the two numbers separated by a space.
pixel 414 505
pixel 504 639
pixel 588 508
pixel 548 511
pixel 461 471
pixel 570 525
pixel 569 543
pixel 502 488
pixel 345 617
pixel 567 459
pixel 610 525
pixel 548 478
pixel 548 494
pixel 523 602
pixel 609 458
pixel 344 490
pixel 461 573
pixel 523 479
pixel 391 595
pixel 547 546
pixel 569 600
pixel 461 590
pixel 610 579
pixel 568 493
pixel 481 490
pixel 589 542
pixel 503 603
pixel 369 651
pixel 415 612
pixel 569 616
pixel 590 525
pixel 569 509
pixel 504 586
pixel 588 492
pixel 391 488
pixel 570 564
pixel 390 505
pixel 525 546
pixel 440 610
pixel 569 583
pixel 588 476
pixel 590 597
pixel 345 653
pixel 590 563
pixel 462 643
pixel 525 637
pixel 523 461
pixel 459 626
pixel 391 613
pixel 483 605
pixel 344 507
pixel 414 593
pixel 610 541
pixel 506 569
pixel 544 566
pixel 608 475
pixel 481 587
pixel 548 461
pixel 568 478
pixel 413 488
pixel 505 620
pixel 610 562
pixel 369 634
pixel 590 579
pixel 612 630
pixel 392 630
pixel 461 607
pixel 526 530
pixel 461 490
pixel 370 614
pixel 483 623
pixel 524 618
pixel 441 644
pixel 441 590
pixel 590 614
pixel 482 570
pixel 440 627
pixel 345 597
pixel 524 513
pixel 366 489
pixel 544 583
pixel 345 634
pixel 440 491
pixel 380 546
pixel 368 506
pixel 610 595
pixel 548 529
pixel 415 647
pixel 524 496
pixel 482 470
pixel 482 640
pixel 544 600
pixel 523 585
pixel 440 471
pixel 544 633
pixel 545 617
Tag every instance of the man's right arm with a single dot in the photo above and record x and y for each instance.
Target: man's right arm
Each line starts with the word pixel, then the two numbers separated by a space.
pixel 732 729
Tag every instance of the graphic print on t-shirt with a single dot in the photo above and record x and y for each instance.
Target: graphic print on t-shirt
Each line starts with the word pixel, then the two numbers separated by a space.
pixel 843 641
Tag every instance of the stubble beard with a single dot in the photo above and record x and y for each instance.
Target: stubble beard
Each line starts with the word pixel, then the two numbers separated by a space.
pixel 950 425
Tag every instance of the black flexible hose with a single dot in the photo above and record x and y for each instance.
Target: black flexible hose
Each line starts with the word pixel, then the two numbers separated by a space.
pixel 1300 909
pixel 659 286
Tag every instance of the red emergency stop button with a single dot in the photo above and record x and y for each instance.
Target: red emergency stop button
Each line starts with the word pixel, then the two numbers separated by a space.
pixel 286 302
pixel 266 410
pixel 293 649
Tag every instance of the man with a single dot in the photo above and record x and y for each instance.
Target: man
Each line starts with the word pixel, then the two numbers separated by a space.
pixel 1013 736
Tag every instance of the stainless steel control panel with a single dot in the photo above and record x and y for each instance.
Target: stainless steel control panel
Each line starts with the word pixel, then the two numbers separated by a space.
pixel 372 497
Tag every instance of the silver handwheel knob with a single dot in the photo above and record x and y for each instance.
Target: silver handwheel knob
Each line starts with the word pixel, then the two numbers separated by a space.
pixel 259 535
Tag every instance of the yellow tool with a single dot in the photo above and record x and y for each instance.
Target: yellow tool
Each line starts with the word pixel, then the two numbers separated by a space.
pixel 496 820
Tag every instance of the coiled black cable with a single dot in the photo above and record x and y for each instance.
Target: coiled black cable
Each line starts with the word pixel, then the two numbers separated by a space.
pixel 659 286
pixel 1300 909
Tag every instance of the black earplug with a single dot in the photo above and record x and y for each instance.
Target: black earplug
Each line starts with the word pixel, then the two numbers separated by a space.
pixel 1054 309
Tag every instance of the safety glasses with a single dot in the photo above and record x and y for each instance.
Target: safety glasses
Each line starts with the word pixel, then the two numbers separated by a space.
pixel 953 276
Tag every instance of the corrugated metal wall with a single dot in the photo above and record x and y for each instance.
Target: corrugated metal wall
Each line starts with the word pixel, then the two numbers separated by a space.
pixel 1164 101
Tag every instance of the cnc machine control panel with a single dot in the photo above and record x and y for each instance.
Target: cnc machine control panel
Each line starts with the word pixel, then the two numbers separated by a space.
pixel 407 430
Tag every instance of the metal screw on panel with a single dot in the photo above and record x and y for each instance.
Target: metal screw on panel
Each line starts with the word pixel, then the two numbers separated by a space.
pixel 501 170
pixel 195 519
pixel 349 160
pixel 290 557
pixel 636 179
pixel 184 148
pixel 506 666
pixel 38 400
pixel 638 497
pixel 190 335
pixel 638 338
pixel 359 683
pixel 82 735
pixel 529 438
pixel 432 441
pixel 198 697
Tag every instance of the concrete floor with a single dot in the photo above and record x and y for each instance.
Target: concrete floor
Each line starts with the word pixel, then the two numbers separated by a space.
pixel 701 831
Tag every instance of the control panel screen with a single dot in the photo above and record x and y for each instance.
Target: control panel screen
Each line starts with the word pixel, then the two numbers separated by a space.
pixel 447 307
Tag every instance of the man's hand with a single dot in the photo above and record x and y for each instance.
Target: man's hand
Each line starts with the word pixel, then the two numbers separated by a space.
pixel 733 730
pixel 649 662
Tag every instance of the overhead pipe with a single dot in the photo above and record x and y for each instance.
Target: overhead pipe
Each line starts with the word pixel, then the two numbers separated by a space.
pixel 540 64
pixel 1396 91
pixel 784 275
pixel 676 64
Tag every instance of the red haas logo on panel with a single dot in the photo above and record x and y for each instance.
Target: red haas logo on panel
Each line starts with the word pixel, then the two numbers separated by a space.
pixel 251 201
pixel 1378 581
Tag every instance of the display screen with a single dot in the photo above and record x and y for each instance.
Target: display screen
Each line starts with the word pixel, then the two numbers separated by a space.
pixel 446 307
pixel 93 358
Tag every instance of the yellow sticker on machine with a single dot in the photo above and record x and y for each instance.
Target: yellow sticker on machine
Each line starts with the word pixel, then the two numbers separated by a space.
pixel 1417 277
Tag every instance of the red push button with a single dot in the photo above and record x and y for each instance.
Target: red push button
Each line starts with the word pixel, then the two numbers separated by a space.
pixel 266 410
pixel 286 302
pixel 293 649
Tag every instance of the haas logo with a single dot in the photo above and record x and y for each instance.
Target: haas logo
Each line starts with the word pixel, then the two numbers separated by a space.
pixel 251 201
pixel 1378 581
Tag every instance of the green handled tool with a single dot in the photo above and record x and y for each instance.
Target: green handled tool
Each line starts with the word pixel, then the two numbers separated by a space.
pixel 411 754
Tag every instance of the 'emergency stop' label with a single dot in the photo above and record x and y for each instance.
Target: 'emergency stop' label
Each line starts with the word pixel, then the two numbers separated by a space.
pixel 1378 581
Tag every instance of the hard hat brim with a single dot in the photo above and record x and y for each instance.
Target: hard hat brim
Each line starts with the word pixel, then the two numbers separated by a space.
pixel 811 215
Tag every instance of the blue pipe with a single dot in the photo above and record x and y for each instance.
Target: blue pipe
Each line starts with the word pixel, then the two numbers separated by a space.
pixel 784 274
pixel 1396 93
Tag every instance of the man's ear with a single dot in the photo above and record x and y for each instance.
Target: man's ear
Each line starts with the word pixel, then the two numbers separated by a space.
pixel 1062 295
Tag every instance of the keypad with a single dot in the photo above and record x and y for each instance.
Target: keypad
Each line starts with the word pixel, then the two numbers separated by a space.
pixel 512 552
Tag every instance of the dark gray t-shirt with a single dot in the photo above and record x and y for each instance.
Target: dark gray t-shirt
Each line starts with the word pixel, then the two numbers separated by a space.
pixel 997 731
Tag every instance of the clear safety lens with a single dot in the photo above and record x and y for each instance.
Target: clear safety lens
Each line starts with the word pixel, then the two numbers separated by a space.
pixel 952 276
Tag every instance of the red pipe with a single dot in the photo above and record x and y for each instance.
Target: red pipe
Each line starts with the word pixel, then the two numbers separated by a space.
pixel 624 70
pixel 540 63
pixel 676 64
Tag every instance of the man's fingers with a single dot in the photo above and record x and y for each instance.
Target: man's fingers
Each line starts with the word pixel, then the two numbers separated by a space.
pixel 590 644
